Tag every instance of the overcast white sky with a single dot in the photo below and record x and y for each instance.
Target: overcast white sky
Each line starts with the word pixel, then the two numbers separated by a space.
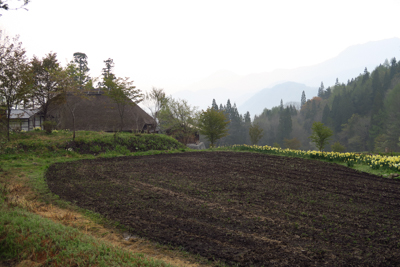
pixel 173 43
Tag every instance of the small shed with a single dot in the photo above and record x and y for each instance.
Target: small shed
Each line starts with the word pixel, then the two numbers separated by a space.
pixel 25 119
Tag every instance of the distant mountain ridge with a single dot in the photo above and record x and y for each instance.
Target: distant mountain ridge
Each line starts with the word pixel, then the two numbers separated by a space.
pixel 269 97
pixel 225 85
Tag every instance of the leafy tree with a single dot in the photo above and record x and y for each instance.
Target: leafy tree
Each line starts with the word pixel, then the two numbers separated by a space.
pixel 70 87
pixel 320 135
pixel 155 100
pixel 82 69
pixel 15 81
pixel 256 133
pixel 178 118
pixel 213 124
pixel 124 94
pixel 46 85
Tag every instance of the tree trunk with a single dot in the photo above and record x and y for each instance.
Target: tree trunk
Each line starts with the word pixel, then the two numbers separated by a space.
pixel 8 124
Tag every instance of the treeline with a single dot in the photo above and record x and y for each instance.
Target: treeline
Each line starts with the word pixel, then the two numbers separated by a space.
pixel 45 84
pixel 364 115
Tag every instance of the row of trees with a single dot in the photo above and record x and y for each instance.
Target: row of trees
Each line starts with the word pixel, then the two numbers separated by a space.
pixel 216 124
pixel 362 114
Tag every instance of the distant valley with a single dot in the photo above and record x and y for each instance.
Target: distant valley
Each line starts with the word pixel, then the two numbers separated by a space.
pixel 257 91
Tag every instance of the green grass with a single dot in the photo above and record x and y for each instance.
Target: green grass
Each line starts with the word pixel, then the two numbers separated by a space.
pixel 25 159
pixel 86 142
pixel 25 235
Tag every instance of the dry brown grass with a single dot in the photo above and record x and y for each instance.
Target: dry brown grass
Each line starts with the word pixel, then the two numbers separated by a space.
pixel 18 194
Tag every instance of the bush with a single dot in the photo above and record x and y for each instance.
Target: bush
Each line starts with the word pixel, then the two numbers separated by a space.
pixel 49 126
pixel 337 147
pixel 293 144
pixel 276 145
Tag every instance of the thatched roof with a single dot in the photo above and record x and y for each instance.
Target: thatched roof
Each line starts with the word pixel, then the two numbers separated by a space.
pixel 98 112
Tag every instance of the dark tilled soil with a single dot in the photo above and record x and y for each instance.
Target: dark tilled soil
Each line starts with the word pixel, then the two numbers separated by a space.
pixel 243 208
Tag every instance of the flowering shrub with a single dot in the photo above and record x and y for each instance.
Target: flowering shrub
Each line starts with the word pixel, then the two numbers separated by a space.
pixel 37 129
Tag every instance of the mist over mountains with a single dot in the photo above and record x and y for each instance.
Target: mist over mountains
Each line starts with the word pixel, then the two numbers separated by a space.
pixel 257 91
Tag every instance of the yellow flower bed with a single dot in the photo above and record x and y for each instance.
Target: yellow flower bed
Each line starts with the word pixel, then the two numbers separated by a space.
pixel 374 161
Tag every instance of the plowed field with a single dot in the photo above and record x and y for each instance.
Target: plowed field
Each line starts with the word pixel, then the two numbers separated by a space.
pixel 243 208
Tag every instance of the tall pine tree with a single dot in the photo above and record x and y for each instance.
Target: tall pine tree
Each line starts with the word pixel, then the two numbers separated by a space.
pixel 303 99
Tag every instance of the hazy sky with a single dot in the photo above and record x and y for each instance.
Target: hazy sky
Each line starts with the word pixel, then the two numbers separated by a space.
pixel 170 43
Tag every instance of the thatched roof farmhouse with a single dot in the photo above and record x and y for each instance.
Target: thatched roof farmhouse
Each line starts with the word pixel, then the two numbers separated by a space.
pixel 98 112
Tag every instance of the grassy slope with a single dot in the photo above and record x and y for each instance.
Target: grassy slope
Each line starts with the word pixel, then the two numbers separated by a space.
pixel 64 235
pixel 60 236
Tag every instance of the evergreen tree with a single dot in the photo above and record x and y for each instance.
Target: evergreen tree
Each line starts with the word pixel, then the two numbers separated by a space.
pixel 293 110
pixel 365 76
pixel 393 67
pixel 392 128
pixel 107 72
pixel 377 115
pixel 327 93
pixel 386 81
pixel 228 108
pixel 326 115
pixel 214 105
pixel 247 118
pixel 82 75
pixel 285 125
pixel 321 90
pixel 336 113
pixel 303 99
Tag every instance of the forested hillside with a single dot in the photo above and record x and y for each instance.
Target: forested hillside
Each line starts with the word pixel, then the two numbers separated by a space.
pixel 363 113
